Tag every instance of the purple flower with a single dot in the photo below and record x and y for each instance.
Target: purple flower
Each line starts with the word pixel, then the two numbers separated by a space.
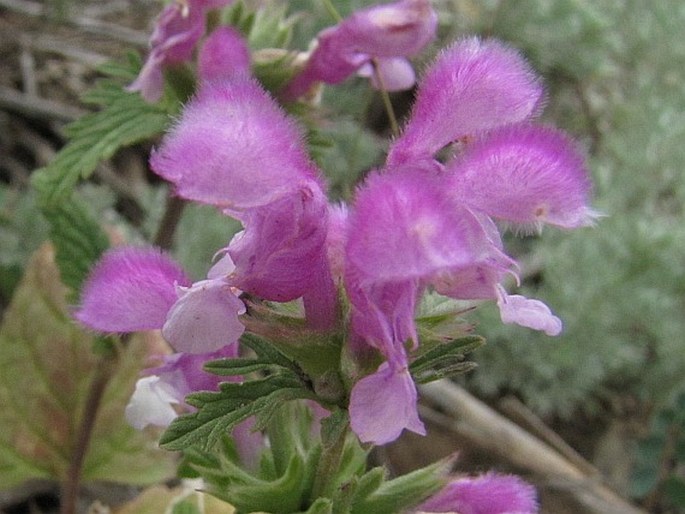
pixel 473 86
pixel 419 223
pixel 135 289
pixel 234 148
pixel 387 33
pixel 487 494
pixel 177 30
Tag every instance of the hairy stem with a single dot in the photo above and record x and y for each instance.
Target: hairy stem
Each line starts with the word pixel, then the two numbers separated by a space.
pixel 331 455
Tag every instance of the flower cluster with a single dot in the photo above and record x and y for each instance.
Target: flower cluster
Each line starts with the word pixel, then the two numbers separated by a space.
pixel 421 222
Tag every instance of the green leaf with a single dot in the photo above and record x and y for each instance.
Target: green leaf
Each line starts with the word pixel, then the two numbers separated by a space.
pixel 79 241
pixel 125 119
pixel 439 360
pixel 218 412
pixel 233 367
pixel 47 368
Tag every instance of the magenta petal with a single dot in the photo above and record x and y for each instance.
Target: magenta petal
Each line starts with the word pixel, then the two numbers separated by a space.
pixel 130 289
pixel 205 318
pixel 525 174
pixel 177 30
pixel 473 86
pixel 400 28
pixel 223 55
pixel 383 404
pixel 529 313
pixel 281 250
pixel 487 494
pixel 234 148
pixel 403 226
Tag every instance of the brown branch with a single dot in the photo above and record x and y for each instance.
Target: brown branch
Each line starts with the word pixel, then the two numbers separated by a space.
pixel 72 481
pixel 167 227
pixel 482 426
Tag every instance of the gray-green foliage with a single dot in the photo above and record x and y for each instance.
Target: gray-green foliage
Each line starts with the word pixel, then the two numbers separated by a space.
pixel 616 72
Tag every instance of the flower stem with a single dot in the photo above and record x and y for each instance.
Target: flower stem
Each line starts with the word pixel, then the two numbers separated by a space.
pixel 392 119
pixel 329 464
pixel 72 481
pixel 172 215
pixel 332 10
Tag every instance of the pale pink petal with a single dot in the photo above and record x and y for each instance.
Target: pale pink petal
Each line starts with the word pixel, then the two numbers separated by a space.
pixel 383 404
pixel 205 318
pixel 487 494
pixel 473 86
pixel 396 74
pixel 130 289
pixel 525 174
pixel 151 404
pixel 529 313
pixel 234 148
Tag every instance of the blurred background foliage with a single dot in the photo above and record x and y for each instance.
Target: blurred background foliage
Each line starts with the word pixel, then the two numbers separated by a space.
pixel 615 72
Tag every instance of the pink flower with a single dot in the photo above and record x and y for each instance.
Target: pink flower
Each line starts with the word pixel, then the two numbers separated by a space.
pixel 486 494
pixel 388 33
pixel 177 30
pixel 134 289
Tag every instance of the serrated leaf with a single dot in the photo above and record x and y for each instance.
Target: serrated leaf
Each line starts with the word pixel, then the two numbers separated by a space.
pixel 125 119
pixel 79 241
pixel 47 367
pixel 218 412
pixel 267 352
pixel 233 367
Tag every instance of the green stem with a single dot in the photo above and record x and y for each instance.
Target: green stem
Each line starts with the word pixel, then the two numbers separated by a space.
pixel 332 10
pixel 392 119
pixel 329 464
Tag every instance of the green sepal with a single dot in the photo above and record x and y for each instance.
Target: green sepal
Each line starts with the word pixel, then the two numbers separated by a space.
pixel 401 493
pixel 186 506
pixel 443 359
pixel 320 506
pixel 79 241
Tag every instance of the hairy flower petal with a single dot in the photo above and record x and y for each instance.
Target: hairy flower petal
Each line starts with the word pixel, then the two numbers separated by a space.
pixel 473 86
pixel 403 226
pixel 525 174
pixel 383 404
pixel 234 148
pixel 205 318
pixel 130 289
pixel 486 494
pixel 223 55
